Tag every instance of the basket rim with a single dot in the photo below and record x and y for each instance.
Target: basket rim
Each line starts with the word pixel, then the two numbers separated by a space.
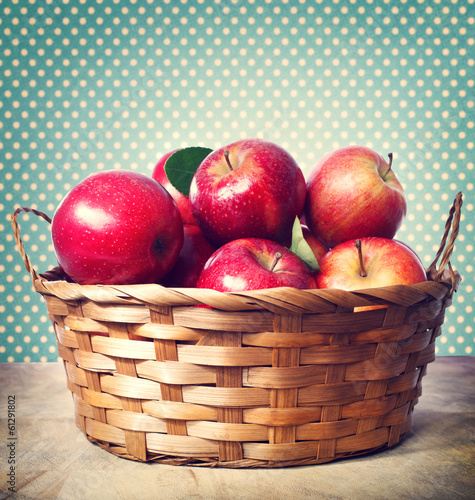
pixel 293 299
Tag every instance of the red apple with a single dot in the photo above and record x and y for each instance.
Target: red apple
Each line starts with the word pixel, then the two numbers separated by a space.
pixel 117 227
pixel 368 263
pixel 249 189
pixel 182 201
pixel 353 193
pixel 252 264
pixel 196 250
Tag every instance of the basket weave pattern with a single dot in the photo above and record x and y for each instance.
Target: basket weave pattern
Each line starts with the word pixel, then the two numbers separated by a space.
pixel 264 378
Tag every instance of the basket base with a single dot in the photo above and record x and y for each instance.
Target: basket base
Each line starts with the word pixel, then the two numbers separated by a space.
pixel 211 462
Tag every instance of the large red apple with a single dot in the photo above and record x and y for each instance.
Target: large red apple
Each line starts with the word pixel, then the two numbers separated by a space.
pixel 196 250
pixel 252 264
pixel 182 201
pixel 249 189
pixel 353 193
pixel 368 263
pixel 117 227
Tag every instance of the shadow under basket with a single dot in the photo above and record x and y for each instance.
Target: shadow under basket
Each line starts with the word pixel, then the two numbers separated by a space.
pixel 267 378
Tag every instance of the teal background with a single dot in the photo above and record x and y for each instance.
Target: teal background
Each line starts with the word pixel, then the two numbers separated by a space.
pixel 107 85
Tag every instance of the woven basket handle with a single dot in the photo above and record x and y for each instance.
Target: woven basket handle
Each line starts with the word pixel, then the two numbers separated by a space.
pixel 446 247
pixel 16 234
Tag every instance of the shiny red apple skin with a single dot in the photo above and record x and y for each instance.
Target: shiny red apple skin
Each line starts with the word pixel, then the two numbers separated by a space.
pixel 196 251
pixel 182 201
pixel 117 227
pixel 259 198
pixel 348 198
pixel 386 261
pixel 246 263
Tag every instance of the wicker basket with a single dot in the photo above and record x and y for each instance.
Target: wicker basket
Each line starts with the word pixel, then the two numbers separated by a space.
pixel 267 378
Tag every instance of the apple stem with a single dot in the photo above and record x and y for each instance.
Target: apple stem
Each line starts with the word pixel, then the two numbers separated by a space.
pixel 277 257
pixel 390 156
pixel 360 255
pixel 226 155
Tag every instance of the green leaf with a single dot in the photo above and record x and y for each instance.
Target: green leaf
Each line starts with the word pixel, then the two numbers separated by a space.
pixel 301 248
pixel 181 166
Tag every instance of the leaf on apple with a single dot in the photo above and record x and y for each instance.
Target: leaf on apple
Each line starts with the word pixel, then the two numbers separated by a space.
pixel 182 164
pixel 301 248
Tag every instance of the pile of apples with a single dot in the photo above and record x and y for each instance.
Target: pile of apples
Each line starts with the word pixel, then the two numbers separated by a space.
pixel 242 217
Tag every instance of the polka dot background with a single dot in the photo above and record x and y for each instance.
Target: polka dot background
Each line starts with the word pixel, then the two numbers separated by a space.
pixel 114 85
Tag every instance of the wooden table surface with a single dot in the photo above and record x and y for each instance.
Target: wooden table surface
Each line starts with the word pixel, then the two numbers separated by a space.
pixel 53 459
